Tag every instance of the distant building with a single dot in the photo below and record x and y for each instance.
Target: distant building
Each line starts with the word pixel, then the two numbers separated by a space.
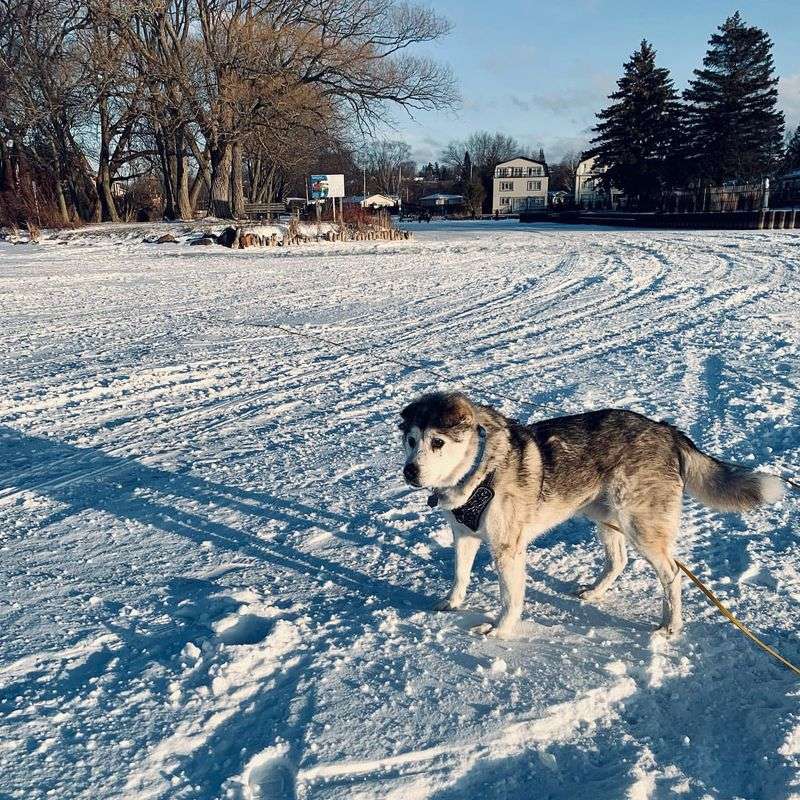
pixel 519 185
pixel 590 186
pixel 441 201
pixel 374 201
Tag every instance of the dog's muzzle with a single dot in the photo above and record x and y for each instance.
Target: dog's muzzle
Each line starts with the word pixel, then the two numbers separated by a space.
pixel 411 474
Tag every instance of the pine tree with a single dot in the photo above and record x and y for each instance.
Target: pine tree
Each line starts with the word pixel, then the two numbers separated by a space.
pixel 791 159
pixel 638 135
pixel 466 169
pixel 541 155
pixel 736 130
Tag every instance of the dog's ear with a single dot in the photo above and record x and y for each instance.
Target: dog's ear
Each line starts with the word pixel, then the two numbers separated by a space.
pixel 458 414
pixel 407 414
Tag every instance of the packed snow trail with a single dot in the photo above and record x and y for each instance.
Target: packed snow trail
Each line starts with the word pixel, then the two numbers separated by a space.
pixel 216 584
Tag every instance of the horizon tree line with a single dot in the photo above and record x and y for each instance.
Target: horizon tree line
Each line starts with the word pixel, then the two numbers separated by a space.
pixel 228 100
pixel 724 127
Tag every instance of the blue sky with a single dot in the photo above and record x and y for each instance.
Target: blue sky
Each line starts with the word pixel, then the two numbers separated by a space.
pixel 539 71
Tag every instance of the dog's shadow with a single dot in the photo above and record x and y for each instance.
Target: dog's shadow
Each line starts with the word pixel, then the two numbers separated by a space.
pixel 87 478
pixel 542 591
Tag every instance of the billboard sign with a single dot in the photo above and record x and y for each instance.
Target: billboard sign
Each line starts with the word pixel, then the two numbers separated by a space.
pixel 324 186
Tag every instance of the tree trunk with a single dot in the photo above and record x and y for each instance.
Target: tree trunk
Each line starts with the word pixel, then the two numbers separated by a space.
pixel 182 178
pixel 237 182
pixel 108 209
pixel 167 182
pixel 59 185
pixel 6 170
pixel 220 202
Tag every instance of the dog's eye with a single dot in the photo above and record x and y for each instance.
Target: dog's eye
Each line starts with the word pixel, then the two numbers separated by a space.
pixel 437 444
pixel 411 441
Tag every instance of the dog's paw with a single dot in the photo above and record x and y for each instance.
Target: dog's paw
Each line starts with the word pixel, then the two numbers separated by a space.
pixel 446 604
pixel 493 631
pixel 589 595
pixel 668 631
pixel 484 629
pixel 502 632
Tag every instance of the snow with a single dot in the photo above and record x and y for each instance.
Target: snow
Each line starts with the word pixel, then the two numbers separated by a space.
pixel 216 585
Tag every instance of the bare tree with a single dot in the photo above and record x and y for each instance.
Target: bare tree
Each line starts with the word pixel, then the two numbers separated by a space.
pixel 562 175
pixel 221 95
pixel 384 162
pixel 485 150
pixel 43 108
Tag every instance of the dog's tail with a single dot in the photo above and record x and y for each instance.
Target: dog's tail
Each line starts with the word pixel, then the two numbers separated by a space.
pixel 726 487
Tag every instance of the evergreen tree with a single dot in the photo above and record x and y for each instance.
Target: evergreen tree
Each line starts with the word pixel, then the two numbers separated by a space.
pixel 541 155
pixel 791 159
pixel 736 130
pixel 638 136
pixel 466 169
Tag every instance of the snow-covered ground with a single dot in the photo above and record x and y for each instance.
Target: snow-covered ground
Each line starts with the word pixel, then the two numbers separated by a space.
pixel 214 583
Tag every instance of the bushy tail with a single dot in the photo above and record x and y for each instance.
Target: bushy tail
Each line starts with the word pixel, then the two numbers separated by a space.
pixel 725 487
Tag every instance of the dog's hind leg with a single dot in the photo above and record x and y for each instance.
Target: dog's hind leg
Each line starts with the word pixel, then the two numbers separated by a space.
pixel 653 532
pixel 613 542
pixel 465 547
pixel 670 578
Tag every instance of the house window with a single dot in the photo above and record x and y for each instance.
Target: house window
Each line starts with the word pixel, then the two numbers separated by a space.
pixel 502 172
pixel 535 171
pixel 517 172
pixel 534 186
pixel 505 201
pixel 506 186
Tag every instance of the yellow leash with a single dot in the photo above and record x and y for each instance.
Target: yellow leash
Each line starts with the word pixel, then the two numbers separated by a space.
pixel 732 619
pixel 727 613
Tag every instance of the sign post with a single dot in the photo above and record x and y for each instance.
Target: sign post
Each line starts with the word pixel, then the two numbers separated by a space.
pixel 325 186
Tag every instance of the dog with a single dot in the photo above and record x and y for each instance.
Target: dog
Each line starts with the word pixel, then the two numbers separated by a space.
pixel 505 483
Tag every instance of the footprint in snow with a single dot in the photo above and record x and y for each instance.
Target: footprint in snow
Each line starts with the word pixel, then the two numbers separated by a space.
pixel 242 629
pixel 269 776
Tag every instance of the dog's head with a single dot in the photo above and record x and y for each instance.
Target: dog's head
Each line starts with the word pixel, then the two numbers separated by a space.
pixel 439 435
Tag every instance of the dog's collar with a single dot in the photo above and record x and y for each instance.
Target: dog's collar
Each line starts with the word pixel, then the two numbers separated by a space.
pixel 471 512
pixel 476 462
pixel 433 500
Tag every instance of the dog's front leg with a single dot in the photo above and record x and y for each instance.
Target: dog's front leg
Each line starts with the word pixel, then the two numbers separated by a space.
pixel 465 546
pixel 509 560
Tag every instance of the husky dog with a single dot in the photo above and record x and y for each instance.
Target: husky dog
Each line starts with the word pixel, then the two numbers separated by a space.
pixel 504 483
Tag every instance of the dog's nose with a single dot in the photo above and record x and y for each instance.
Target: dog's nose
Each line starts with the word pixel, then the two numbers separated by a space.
pixel 411 473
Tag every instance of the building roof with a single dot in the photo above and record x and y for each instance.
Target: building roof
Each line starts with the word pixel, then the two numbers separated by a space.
pixel 442 196
pixel 522 158
pixel 373 199
pixel 528 159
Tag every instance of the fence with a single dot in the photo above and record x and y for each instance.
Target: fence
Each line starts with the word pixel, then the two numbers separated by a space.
pixel 715 199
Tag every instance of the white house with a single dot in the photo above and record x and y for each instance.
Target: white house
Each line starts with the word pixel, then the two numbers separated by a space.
pixel 374 201
pixel 590 191
pixel 519 185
